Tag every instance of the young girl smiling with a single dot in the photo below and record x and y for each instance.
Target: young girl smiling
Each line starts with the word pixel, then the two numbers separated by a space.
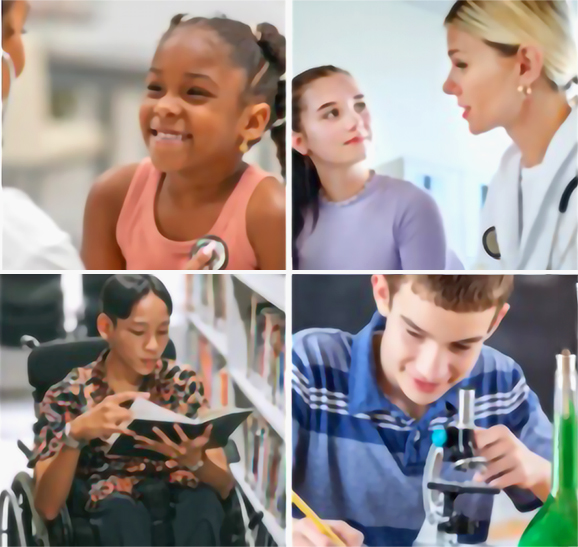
pixel 214 87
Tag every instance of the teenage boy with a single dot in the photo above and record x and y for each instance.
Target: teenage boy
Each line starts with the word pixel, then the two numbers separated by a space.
pixel 364 407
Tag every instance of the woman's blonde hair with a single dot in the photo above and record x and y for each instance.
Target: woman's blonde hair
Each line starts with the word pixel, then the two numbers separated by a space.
pixel 507 24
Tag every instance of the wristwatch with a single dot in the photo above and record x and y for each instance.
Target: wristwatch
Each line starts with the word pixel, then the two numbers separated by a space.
pixel 70 441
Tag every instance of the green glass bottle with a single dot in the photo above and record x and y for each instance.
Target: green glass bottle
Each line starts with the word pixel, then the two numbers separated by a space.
pixel 556 523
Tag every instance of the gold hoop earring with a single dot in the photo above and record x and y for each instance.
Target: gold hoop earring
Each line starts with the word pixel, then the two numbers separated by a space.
pixel 244 148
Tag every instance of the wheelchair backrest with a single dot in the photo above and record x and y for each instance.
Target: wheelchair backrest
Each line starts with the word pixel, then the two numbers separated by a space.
pixel 51 362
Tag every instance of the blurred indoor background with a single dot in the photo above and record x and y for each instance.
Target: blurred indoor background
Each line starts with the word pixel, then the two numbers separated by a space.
pixel 73 112
pixel 396 50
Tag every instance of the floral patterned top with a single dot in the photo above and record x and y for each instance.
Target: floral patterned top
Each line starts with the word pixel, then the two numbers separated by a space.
pixel 171 385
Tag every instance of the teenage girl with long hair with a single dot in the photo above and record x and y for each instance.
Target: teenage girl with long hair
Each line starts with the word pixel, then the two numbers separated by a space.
pixel 345 216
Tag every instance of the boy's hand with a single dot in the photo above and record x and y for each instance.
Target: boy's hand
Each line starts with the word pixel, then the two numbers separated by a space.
pixel 511 462
pixel 306 534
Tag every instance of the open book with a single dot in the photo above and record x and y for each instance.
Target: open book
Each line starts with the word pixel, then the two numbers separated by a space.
pixel 147 415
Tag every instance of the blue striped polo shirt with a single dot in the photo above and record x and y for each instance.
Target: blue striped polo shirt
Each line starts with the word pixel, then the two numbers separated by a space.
pixel 357 457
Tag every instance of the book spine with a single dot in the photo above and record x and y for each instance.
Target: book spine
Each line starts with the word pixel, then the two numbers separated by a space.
pixel 263 454
pixel 252 334
pixel 280 492
pixel 220 289
pixel 272 476
pixel 281 379
pixel 224 379
pixel 248 445
pixel 267 350
pixel 189 292
pixel 256 452
pixel 206 362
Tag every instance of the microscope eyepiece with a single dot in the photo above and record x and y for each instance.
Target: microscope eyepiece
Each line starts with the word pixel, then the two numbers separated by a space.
pixel 466 409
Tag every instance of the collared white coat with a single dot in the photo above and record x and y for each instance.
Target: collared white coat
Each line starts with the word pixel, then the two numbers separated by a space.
pixel 549 237
pixel 31 240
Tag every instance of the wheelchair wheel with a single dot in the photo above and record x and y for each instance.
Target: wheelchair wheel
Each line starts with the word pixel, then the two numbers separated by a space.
pixel 35 529
pixel 11 527
pixel 248 535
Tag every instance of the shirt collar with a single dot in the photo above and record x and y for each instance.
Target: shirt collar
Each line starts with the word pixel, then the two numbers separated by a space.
pixel 365 396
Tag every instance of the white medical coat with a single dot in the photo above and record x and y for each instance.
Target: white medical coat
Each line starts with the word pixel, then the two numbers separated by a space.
pixel 549 237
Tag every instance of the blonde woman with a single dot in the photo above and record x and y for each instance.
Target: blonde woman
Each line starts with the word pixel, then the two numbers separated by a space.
pixel 513 66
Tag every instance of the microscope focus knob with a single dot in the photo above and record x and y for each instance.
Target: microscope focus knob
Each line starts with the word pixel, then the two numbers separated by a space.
pixel 439 437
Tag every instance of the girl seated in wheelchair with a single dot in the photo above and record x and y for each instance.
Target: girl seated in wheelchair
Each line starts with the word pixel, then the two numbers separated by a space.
pixel 89 405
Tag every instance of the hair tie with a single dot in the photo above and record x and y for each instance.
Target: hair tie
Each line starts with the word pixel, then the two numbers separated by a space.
pixel 260 74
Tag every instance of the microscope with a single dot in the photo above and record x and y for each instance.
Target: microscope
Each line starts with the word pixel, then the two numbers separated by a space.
pixel 454 444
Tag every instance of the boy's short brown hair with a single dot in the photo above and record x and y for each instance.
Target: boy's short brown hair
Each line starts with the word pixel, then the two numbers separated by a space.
pixel 459 293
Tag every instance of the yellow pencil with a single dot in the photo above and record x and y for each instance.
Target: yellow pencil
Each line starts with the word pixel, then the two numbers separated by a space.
pixel 323 528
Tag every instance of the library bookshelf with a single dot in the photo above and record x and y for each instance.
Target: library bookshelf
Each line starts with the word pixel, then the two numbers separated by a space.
pixel 236 336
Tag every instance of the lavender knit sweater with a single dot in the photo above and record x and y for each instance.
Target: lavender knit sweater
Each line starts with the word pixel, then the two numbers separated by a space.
pixel 390 225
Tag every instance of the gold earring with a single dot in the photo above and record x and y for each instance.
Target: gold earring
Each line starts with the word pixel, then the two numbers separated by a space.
pixel 244 147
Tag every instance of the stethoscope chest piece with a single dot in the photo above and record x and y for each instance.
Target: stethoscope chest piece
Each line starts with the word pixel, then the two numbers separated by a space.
pixel 490 243
pixel 220 256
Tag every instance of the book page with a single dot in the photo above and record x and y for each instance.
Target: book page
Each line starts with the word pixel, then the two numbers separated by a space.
pixel 143 409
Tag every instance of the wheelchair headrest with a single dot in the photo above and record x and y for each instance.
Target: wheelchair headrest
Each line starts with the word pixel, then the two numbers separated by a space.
pixel 51 362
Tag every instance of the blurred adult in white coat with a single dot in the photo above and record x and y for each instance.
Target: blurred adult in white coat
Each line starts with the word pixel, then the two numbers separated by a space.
pixel 31 240
pixel 514 63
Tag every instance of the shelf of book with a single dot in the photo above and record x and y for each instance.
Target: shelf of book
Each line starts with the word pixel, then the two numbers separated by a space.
pixel 270 522
pixel 268 410
pixel 217 338
pixel 236 336
pixel 270 286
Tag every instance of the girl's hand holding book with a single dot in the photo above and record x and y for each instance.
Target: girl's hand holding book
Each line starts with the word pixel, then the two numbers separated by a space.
pixel 105 418
pixel 188 453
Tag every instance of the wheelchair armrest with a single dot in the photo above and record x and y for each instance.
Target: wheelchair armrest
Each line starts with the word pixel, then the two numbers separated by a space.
pixel 231 452
pixel 24 449
pixel 29 342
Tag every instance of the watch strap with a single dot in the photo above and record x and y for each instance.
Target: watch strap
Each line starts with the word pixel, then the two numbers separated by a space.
pixel 197 466
pixel 70 441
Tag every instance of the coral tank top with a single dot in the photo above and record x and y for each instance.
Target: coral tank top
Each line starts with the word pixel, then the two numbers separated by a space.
pixel 145 248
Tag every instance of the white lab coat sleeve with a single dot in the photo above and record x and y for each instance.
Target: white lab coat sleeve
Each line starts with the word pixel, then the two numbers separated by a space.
pixel 59 256
pixel 31 240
